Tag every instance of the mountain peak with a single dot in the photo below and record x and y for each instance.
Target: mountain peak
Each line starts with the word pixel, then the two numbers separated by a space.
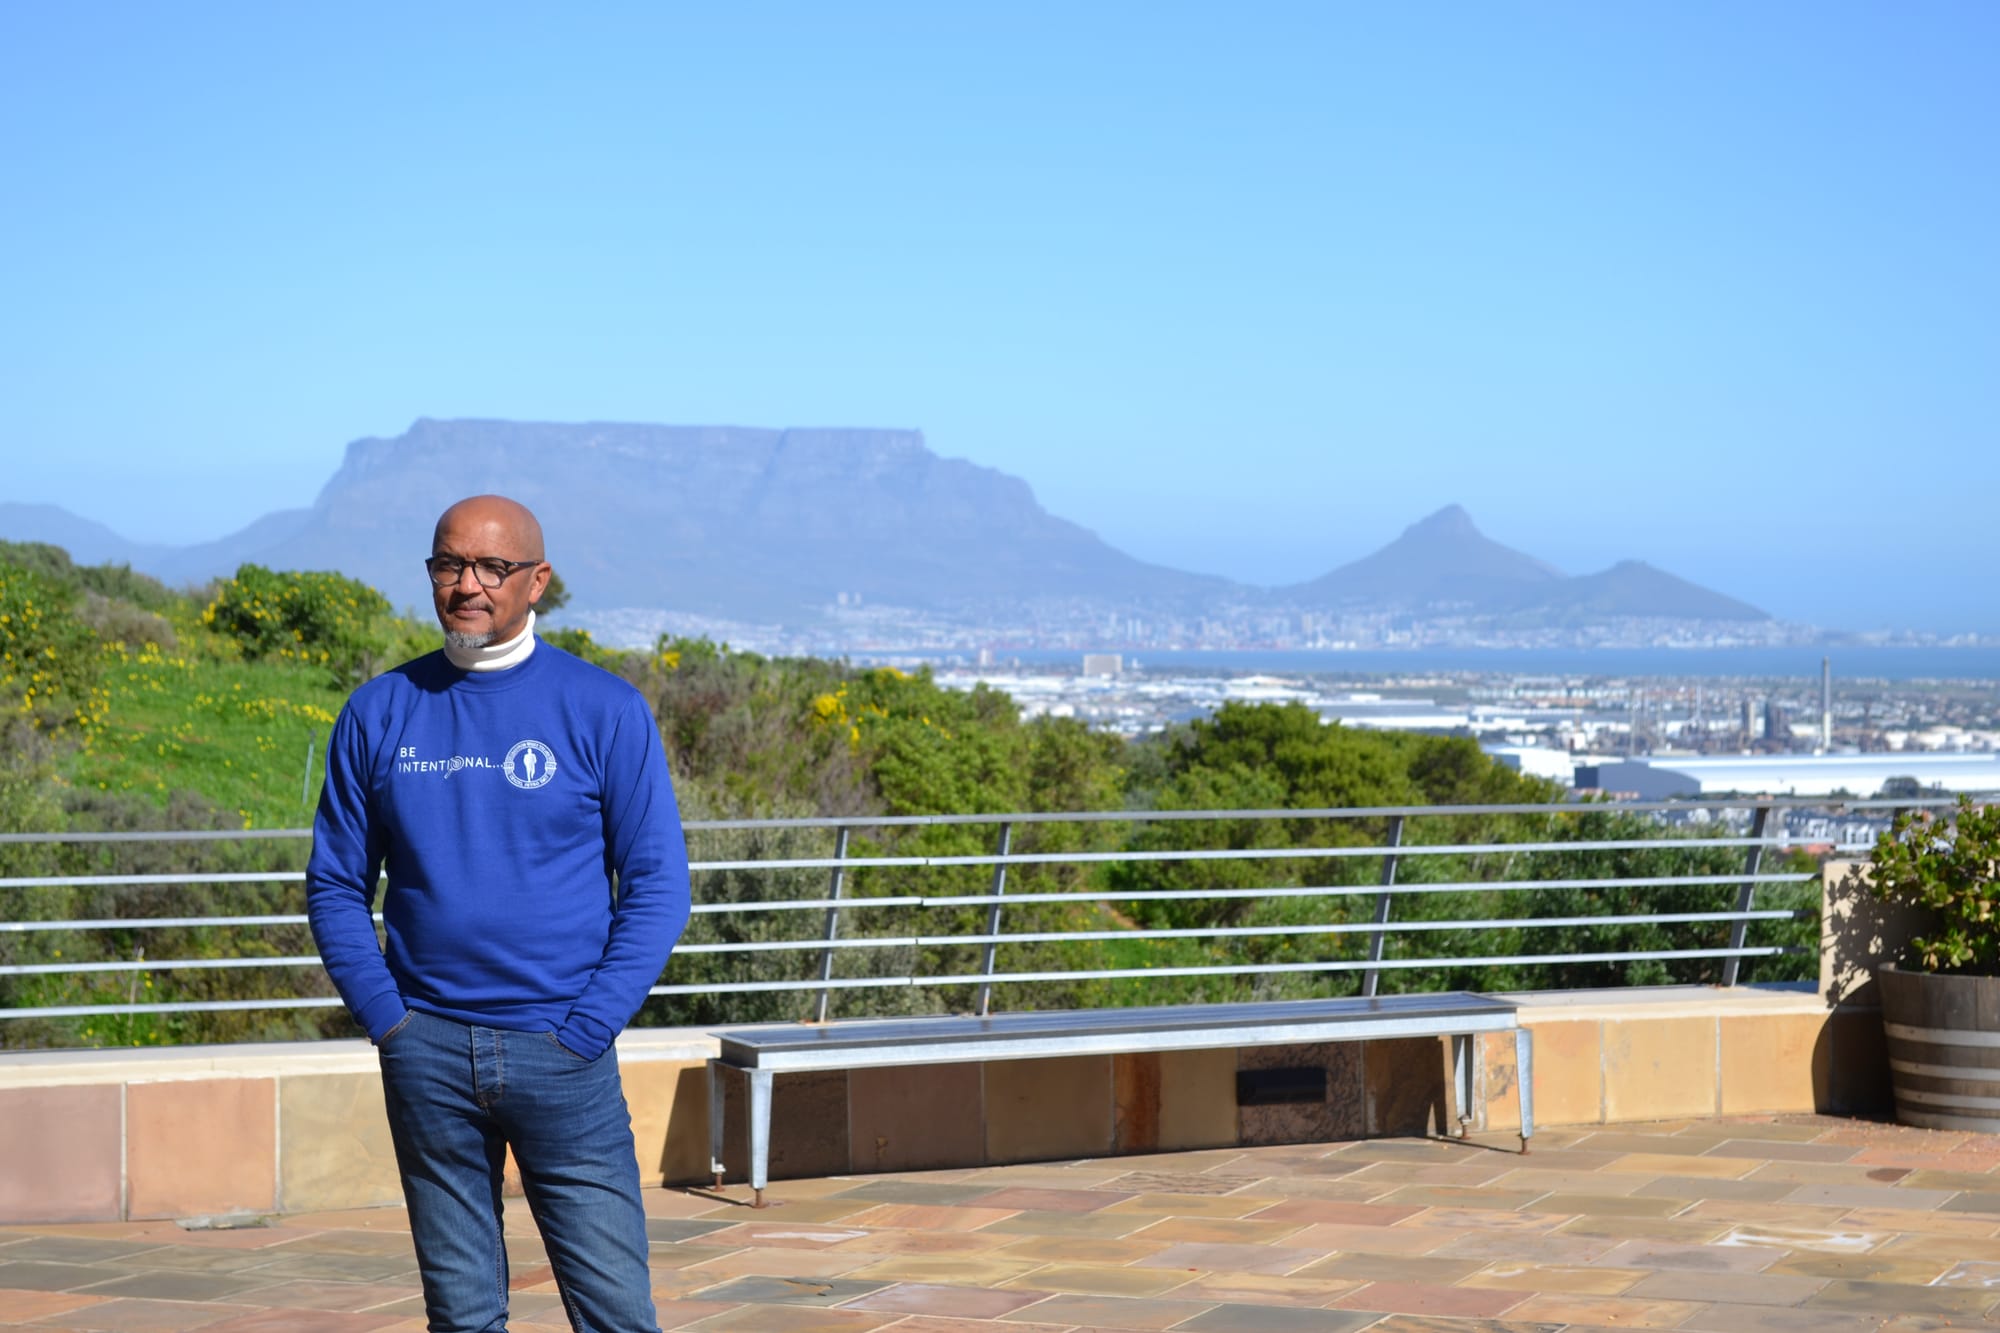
pixel 1450 521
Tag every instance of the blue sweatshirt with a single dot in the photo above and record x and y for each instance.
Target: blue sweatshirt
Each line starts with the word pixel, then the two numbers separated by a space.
pixel 502 804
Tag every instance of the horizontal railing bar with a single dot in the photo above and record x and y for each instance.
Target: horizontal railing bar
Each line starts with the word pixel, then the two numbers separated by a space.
pixel 153 923
pixel 1835 805
pixel 804 904
pixel 1363 890
pixel 158 965
pixel 172 1007
pixel 1012 858
pixel 1361 964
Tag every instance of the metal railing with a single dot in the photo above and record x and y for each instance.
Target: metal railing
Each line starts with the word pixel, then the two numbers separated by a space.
pixel 1113 881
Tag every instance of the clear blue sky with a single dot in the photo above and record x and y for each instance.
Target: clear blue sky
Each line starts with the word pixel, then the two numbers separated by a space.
pixel 1244 288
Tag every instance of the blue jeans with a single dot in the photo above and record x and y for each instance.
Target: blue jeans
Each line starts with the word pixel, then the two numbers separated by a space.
pixel 458 1096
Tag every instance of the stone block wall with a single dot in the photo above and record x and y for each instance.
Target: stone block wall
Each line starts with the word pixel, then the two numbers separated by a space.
pixel 99 1136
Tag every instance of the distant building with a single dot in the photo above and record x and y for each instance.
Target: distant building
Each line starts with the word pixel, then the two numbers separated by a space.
pixel 1662 777
pixel 1103 664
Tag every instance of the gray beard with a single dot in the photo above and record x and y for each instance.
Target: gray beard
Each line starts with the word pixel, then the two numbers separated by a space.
pixel 464 642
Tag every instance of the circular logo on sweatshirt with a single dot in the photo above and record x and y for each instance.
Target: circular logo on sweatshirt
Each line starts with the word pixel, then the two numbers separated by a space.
pixel 530 764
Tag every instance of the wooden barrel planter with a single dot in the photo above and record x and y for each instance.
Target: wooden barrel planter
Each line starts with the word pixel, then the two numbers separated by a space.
pixel 1944 1048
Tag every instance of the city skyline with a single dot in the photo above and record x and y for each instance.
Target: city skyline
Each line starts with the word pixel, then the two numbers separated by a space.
pixel 1244 294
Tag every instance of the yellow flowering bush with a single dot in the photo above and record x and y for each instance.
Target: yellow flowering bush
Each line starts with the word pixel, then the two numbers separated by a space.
pixel 50 666
pixel 318 618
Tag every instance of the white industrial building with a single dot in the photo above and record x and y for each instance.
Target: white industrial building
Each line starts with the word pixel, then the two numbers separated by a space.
pixel 1663 776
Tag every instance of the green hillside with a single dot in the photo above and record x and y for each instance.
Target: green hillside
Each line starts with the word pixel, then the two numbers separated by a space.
pixel 129 706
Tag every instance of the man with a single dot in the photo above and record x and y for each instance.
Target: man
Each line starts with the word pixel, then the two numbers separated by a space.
pixel 537 880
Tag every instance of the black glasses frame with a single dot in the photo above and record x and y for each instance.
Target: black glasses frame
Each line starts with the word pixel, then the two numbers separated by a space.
pixel 488 571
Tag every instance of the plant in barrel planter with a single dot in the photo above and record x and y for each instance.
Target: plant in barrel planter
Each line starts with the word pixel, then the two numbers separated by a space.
pixel 1941 1003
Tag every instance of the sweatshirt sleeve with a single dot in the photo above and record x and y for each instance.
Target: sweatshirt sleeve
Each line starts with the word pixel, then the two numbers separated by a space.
pixel 341 878
pixel 643 839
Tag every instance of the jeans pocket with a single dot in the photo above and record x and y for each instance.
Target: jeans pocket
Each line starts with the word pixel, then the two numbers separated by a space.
pixel 556 1042
pixel 402 1023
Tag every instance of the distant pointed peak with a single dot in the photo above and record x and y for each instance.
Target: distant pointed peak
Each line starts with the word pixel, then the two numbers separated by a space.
pixel 1450 521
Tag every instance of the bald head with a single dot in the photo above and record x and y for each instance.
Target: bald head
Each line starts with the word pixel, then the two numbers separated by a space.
pixel 487 528
pixel 497 513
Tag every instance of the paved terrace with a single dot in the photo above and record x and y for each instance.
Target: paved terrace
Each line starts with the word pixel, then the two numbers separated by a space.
pixel 1731 1225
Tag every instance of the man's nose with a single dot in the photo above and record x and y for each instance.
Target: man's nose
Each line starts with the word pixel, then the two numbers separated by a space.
pixel 465 576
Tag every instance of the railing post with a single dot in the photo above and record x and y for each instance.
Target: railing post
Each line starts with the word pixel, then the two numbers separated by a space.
pixel 985 1005
pixel 1746 893
pixel 1372 977
pixel 832 924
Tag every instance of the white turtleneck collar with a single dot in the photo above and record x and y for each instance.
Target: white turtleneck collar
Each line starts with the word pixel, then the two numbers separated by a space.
pixel 495 656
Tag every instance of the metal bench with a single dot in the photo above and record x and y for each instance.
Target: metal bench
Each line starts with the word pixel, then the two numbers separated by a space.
pixel 761 1053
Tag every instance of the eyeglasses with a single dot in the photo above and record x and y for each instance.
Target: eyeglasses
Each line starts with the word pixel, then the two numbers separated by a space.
pixel 491 571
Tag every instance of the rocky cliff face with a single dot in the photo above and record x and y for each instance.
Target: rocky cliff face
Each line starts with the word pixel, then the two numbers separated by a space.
pixel 732 521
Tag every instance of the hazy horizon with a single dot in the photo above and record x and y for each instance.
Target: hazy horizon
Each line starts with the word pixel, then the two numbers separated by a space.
pixel 1244 292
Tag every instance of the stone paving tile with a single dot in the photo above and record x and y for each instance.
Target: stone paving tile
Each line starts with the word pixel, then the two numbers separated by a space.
pixel 1605 1205
pixel 1188 1205
pixel 926 1298
pixel 1079 1249
pixel 660 1229
pixel 1411 1323
pixel 1536 1247
pixel 920 1217
pixel 1271 1319
pixel 1218 1230
pixel 1694 1164
pixel 1333 1210
pixel 1154 1183
pixel 1698 1257
pixel 1428 1299
pixel 179 1286
pixel 1626 1143
pixel 1275 1260
pixel 1775 1319
pixel 1094 1280
pixel 1448 1196
pixel 924 1242
pixel 1867 1196
pixel 1095 1225
pixel 1573 1279
pixel 1896 1298
pixel 1732 1288
pixel 1084 1311
pixel 937 1324
pixel 347 1267
pixel 1955 1248
pixel 794 1319
pixel 1914 1271
pixel 913 1191
pixel 1689 1188
pixel 348 1296
pixel 1981 1201
pixel 143 1316
pixel 1476 1219
pixel 1265 1289
pixel 791 1290
pixel 77 1249
pixel 1770 1151
pixel 1397 1268
pixel 986 1270
pixel 1330 1236
pixel 18 1306
pixel 311 1321
pixel 1044 1200
pixel 1593 1312
pixel 759 1262
pixel 1689 1231
pixel 1985 1276
pixel 34 1276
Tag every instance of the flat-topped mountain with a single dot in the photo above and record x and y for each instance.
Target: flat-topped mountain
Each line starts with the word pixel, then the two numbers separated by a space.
pixel 776 526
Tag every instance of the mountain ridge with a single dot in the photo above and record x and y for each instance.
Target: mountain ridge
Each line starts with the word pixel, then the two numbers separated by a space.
pixel 780 524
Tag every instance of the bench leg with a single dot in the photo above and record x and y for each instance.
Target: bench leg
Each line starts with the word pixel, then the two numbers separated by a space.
pixel 715 1068
pixel 1524 1076
pixel 1461 1078
pixel 760 1133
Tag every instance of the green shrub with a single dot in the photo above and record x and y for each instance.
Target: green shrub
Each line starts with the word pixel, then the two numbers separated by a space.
pixel 1951 867
pixel 50 665
pixel 319 618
